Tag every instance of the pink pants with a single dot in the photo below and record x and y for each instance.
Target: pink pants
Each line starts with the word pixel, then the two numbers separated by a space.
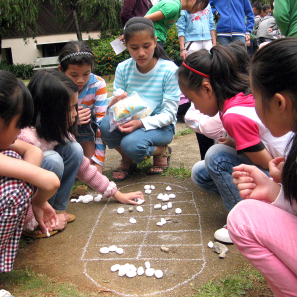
pixel 267 237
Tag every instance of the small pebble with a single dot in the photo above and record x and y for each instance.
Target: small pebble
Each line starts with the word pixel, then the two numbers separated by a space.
pixel 147 187
pixel 149 272
pixel 139 208
pixel 72 200
pixel 140 271
pixel 164 207
pixel 160 196
pixel 175 221
pixel 178 210
pixel 160 224
pixel 172 196
pixel 140 201
pixel 86 200
pixel 104 250
pixel 47 233
pixel 165 198
pixel 153 187
pixel 112 248
pixel 169 204
pixel 148 191
pixel 122 270
pixel 132 267
pixel 132 221
pixel 131 208
pixel 119 251
pixel 168 188
pixel 98 198
pixel 210 244
pixel 147 265
pixel 115 267
pixel 168 219
pixel 157 206
pixel 164 249
pixel 158 273
pixel 131 273
pixel 121 210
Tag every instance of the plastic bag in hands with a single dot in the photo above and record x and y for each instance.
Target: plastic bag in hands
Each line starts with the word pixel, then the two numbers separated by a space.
pixel 131 108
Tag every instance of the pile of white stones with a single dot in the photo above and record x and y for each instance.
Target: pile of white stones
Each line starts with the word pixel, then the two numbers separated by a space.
pixel 87 198
pixel 112 248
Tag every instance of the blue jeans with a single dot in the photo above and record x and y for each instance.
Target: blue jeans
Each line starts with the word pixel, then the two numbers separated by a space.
pixel 214 173
pixel 65 161
pixel 223 40
pixel 138 145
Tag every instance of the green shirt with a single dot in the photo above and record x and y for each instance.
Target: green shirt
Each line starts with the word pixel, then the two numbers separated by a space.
pixel 285 13
pixel 171 10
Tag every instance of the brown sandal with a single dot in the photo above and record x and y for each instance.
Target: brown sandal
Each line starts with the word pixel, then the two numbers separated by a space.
pixel 167 153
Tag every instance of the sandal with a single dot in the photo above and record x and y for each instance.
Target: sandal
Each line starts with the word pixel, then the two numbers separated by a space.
pixel 35 233
pixel 72 218
pixel 167 154
pixel 126 172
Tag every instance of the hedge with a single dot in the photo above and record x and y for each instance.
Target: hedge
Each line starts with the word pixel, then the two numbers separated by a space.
pixel 24 71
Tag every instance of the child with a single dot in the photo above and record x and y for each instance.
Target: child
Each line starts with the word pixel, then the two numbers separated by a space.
pixel 152 76
pixel 263 226
pixel 76 61
pixel 214 83
pixel 19 170
pixel 166 13
pixel 55 113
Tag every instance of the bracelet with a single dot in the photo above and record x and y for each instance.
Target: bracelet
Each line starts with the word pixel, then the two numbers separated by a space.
pixel 182 50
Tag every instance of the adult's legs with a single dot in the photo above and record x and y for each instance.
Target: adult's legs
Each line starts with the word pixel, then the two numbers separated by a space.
pixel 266 236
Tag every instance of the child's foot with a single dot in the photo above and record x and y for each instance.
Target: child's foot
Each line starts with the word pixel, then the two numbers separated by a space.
pixel 63 218
pixel 123 171
pixel 161 162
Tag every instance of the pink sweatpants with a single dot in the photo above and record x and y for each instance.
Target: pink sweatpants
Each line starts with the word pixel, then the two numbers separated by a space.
pixel 267 237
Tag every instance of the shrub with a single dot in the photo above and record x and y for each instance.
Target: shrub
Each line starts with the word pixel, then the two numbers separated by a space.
pixel 24 71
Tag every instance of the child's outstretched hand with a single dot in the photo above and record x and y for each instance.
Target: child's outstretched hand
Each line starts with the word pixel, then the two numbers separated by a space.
pixel 128 198
pixel 253 183
pixel 276 168
pixel 84 115
pixel 45 215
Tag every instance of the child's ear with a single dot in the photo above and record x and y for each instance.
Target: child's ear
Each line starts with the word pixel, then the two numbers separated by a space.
pixel 206 86
pixel 59 67
pixel 281 102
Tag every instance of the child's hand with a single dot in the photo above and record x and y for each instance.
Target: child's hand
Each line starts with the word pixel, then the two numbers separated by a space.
pixel 253 183
pixel 84 115
pixel 276 168
pixel 128 198
pixel 45 215
pixel 130 126
pixel 183 55
pixel 226 141
pixel 116 99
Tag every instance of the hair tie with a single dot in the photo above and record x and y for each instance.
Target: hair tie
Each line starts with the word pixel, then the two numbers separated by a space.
pixel 194 70
pixel 76 54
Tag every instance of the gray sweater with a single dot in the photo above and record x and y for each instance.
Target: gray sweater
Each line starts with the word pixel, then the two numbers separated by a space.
pixel 266 23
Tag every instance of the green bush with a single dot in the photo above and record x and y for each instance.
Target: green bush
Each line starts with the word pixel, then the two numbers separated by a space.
pixel 106 60
pixel 24 71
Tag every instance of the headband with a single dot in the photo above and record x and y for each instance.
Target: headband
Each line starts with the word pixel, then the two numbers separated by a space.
pixel 194 70
pixel 139 20
pixel 76 54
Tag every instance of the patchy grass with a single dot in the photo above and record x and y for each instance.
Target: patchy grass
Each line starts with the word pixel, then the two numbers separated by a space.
pixel 248 282
pixel 179 172
pixel 183 132
pixel 109 86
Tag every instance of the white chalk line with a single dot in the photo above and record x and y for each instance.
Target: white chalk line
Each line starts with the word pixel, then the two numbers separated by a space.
pixel 155 231
pixel 144 258
pixel 159 292
pixel 152 245
pixel 164 215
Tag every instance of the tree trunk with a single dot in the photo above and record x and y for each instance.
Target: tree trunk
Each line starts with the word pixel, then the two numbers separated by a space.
pixel 77 26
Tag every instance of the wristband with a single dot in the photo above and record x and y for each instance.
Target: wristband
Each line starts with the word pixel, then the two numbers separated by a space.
pixel 182 50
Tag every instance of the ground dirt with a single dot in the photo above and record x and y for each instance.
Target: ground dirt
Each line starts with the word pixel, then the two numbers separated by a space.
pixel 73 255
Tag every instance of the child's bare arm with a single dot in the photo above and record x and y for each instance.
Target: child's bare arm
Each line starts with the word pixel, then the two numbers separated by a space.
pixel 260 158
pixel 128 198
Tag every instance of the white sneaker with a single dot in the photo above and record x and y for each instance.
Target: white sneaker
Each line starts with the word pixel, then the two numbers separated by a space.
pixel 223 235
pixel 4 293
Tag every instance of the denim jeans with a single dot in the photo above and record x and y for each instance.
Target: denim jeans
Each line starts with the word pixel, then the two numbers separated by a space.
pixel 224 40
pixel 65 161
pixel 214 173
pixel 138 145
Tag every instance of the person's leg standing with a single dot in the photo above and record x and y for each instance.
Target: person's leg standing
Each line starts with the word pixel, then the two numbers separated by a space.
pixel 223 40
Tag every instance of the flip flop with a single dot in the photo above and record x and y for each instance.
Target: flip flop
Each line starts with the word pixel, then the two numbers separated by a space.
pixel 35 233
pixel 168 153
pixel 72 218
pixel 126 172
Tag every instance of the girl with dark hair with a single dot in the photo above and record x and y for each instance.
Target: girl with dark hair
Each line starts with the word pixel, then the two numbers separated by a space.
pixel 77 61
pixel 150 73
pixel 213 82
pixel 55 113
pixel 263 226
pixel 20 171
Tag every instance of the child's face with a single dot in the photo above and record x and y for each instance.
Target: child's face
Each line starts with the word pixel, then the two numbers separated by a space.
pixel 73 104
pixel 8 135
pixel 80 74
pixel 141 47
pixel 202 99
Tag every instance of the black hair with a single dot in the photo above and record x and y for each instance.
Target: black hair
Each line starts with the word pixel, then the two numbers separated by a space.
pixel 265 7
pixel 274 70
pixel 200 4
pixel 220 65
pixel 51 92
pixel 68 55
pixel 137 24
pixel 257 5
pixel 15 99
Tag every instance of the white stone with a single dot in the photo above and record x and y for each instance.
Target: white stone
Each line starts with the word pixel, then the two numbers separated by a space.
pixel 112 248
pixel 178 210
pixel 164 207
pixel 104 250
pixel 157 206
pixel 132 267
pixel 160 224
pixel 119 251
pixel 122 270
pixel 47 233
pixel 160 196
pixel 115 267
pixel 140 201
pixel 148 191
pixel 210 244
pixel 147 187
pixel 149 272
pixel 169 204
pixel 140 271
pixel 86 200
pixel 165 198
pixel 158 273
pixel 163 221
pixel 132 221
pixel 131 273
pixel 72 200
pixel 172 196
pixel 121 210
pixel 168 188
pixel 147 265
pixel 139 208
pixel 153 187
pixel 98 198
